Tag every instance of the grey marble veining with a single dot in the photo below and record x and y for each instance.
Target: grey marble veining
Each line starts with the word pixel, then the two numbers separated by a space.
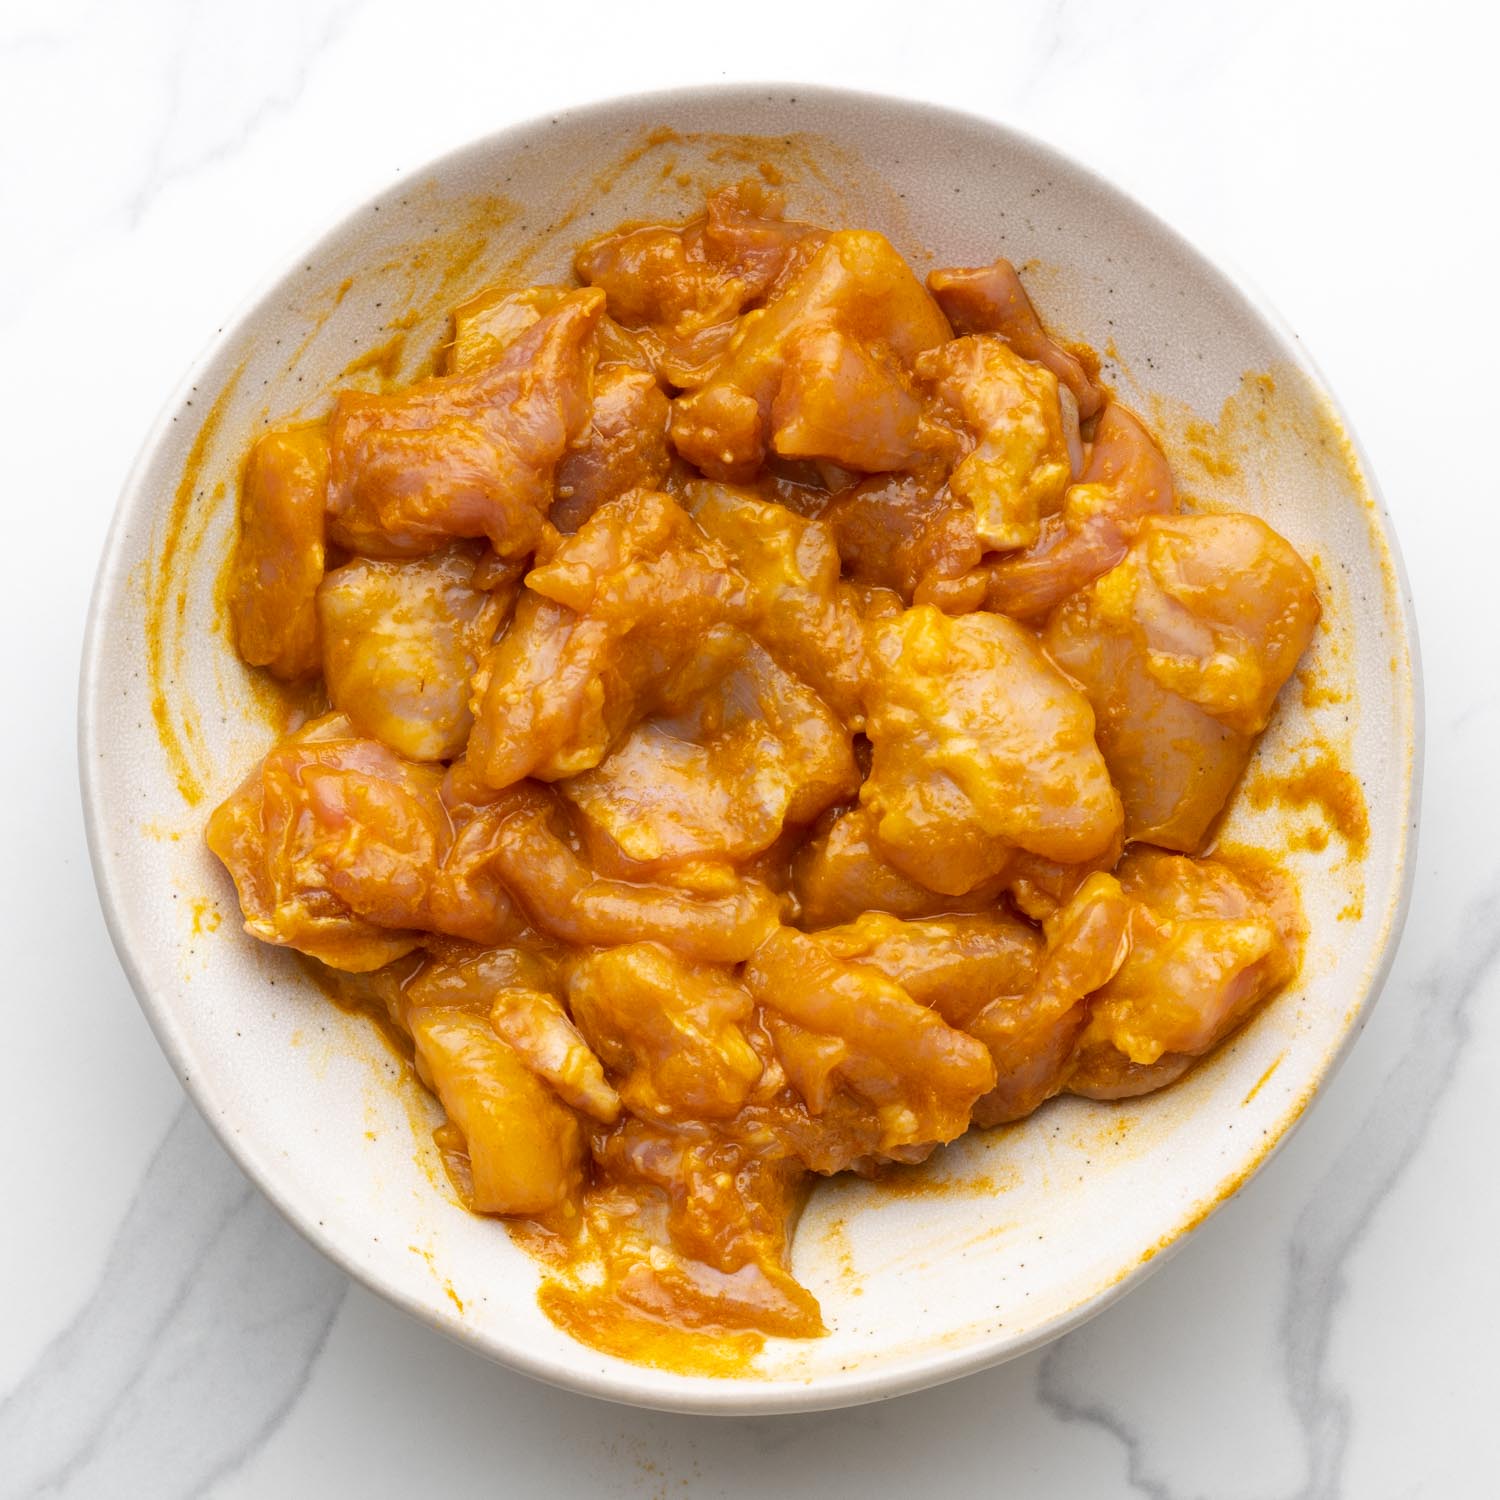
pixel 205 1324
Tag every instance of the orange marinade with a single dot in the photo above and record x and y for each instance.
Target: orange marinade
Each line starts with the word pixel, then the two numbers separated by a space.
pixel 775 715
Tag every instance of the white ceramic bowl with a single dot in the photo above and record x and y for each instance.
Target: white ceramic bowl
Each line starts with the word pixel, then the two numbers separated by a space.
pixel 1005 1240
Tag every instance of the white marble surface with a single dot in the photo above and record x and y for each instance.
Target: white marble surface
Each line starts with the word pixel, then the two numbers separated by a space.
pixel 1329 1333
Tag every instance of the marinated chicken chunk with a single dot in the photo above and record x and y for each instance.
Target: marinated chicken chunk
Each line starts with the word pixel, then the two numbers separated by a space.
pixel 957 964
pixel 765 694
pixel 719 780
pixel 691 1229
pixel 1182 650
pixel 1205 949
pixel 605 625
pixel 466 455
pixel 980 747
pixel 1015 465
pixel 841 872
pixel 345 851
pixel 671 1033
pixel 278 559
pixel 857 282
pixel 720 919
pixel 845 1025
pixel 681 288
pixel 623 448
pixel 401 641
pixel 520 1149
pixel 623 443
pixel 991 299
pixel 1125 480
pixel 799 609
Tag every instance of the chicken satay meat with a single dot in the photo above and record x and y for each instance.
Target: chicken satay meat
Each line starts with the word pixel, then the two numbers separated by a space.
pixel 464 976
pixel 956 964
pixel 344 850
pixel 1016 465
pixel 489 322
pixel 917 1075
pixel 695 1228
pixel 1032 1037
pixel 840 400
pixel 799 608
pixel 539 1030
pixel 840 873
pixel 401 641
pixel 333 841
pixel 991 299
pixel 856 282
pixel 681 288
pixel 623 444
pixel 1181 650
pixel 1125 480
pixel 877 523
pixel 670 1032
pixel 515 989
pixel 1205 950
pixel 622 448
pixel 465 455
pixel 569 899
pixel 719 780
pixel 980 747
pixel 278 557
pixel 602 627
pixel 1223 606
pixel 522 1151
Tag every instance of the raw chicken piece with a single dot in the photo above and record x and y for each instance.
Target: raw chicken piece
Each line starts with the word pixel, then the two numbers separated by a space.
pixel 599 635
pixel 670 1032
pixel 401 641
pixel 722 920
pixel 1015 465
pixel 880 525
pixel 1205 950
pixel 855 282
pixel 694 1229
pixel 278 559
pixel 840 873
pixel 991 299
pixel 718 780
pixel 1182 649
pixel 623 447
pixel 521 1150
pixel 1125 480
pixel 799 609
pixel 980 747
pixel 841 401
pixel 332 841
pixel 343 850
pixel 1032 1036
pixel 534 1023
pixel 681 288
pixel 465 455
pixel 957 965
pixel 917 1075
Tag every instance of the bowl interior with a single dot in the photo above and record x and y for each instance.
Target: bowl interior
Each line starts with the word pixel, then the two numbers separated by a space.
pixel 1001 1241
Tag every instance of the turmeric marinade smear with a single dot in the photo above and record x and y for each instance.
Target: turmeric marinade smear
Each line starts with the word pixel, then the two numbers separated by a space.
pixel 776 713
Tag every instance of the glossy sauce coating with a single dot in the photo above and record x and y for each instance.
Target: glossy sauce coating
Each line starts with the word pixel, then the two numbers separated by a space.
pixel 777 719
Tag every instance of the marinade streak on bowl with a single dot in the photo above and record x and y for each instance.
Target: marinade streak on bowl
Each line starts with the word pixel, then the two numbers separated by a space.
pixel 776 713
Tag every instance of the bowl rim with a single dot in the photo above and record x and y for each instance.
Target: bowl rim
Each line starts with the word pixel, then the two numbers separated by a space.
pixel 618 1380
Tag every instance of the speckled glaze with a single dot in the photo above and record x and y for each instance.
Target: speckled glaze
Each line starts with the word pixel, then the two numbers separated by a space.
pixel 1005 1240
